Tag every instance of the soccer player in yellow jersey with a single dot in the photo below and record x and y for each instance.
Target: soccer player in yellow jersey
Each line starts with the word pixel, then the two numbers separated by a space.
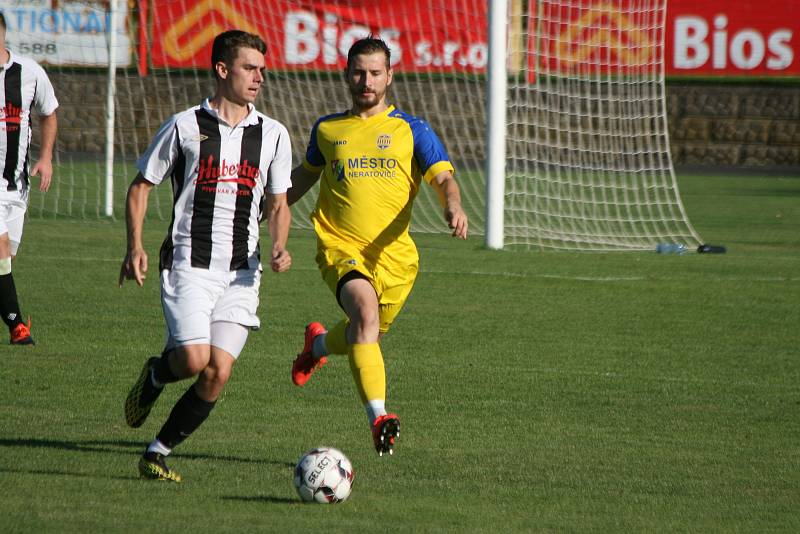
pixel 371 160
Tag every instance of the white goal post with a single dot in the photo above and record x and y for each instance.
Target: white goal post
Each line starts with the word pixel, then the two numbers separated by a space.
pixel 496 82
pixel 552 111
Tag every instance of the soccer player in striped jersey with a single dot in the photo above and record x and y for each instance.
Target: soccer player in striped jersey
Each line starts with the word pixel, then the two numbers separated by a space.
pixel 25 88
pixel 371 160
pixel 230 168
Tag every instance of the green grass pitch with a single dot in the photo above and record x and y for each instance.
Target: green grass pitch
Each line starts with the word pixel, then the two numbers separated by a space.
pixel 537 391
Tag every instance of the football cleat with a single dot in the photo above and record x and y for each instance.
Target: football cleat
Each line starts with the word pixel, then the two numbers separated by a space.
pixel 305 363
pixel 142 396
pixel 153 466
pixel 21 334
pixel 385 431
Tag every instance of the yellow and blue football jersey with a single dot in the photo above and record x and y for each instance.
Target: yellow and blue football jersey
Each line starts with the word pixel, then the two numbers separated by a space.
pixel 371 172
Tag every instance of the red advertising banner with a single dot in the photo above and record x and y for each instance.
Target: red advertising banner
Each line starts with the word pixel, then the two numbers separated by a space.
pixel 314 35
pixel 741 38
pixel 708 38
pixel 594 36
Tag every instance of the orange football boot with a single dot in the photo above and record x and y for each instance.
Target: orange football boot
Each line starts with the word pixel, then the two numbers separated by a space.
pixel 305 364
pixel 385 431
pixel 21 334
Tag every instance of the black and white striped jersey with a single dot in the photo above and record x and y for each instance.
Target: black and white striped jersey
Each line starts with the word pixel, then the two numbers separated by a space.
pixel 219 178
pixel 24 86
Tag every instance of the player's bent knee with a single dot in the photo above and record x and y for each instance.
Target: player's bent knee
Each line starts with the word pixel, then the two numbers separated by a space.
pixel 369 318
pixel 364 327
pixel 216 377
pixel 212 381
pixel 192 359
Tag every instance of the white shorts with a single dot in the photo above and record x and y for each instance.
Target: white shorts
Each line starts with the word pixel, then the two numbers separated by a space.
pixel 193 299
pixel 12 219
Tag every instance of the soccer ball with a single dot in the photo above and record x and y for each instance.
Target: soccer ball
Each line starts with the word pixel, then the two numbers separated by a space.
pixel 323 475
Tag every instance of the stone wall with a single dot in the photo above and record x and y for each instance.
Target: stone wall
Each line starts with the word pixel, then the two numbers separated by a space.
pixel 710 125
pixel 734 125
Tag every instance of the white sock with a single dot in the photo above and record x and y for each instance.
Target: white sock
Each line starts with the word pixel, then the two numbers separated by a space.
pixel 375 408
pixel 318 348
pixel 158 447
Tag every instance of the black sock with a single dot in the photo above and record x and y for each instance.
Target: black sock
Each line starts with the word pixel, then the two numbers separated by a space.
pixel 187 415
pixel 9 306
pixel 162 371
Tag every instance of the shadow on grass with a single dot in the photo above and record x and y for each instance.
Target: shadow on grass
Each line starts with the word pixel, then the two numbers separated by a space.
pixel 262 499
pixel 128 448
pixel 132 448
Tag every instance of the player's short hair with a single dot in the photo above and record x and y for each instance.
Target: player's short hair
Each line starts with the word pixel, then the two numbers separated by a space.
pixel 227 44
pixel 3 21
pixel 369 45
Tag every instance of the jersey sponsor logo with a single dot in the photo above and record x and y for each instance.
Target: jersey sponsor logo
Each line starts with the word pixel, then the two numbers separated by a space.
pixel 371 167
pixel 366 162
pixel 209 175
pixel 337 169
pixel 340 142
pixel 11 115
pixel 384 141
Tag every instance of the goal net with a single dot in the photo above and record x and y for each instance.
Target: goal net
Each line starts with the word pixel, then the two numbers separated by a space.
pixel 587 156
pixel 588 162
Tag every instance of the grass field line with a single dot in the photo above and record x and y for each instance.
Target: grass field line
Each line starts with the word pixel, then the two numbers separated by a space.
pixel 541 275
pixel 502 274
pixel 607 278
pixel 763 387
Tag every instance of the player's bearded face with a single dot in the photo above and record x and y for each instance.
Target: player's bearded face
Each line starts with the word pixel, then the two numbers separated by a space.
pixel 368 78
pixel 245 76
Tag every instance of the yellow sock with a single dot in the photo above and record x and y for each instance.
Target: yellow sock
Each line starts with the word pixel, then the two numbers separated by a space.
pixel 336 339
pixel 366 364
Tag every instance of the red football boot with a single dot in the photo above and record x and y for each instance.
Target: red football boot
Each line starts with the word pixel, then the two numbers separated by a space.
pixel 305 364
pixel 21 334
pixel 385 431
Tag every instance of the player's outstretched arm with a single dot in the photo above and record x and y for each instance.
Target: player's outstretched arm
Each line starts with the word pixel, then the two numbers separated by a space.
pixel 302 180
pixel 134 266
pixel 279 220
pixel 450 199
pixel 44 165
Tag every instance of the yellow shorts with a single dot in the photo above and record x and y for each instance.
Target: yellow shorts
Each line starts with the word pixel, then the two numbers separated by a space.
pixel 393 285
